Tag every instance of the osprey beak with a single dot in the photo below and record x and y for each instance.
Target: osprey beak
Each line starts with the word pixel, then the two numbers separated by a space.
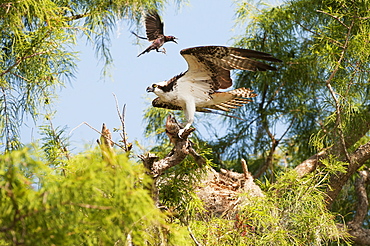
pixel 149 89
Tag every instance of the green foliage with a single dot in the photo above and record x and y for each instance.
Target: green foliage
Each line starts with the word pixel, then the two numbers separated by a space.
pixel 55 145
pixel 107 201
pixel 96 203
pixel 293 212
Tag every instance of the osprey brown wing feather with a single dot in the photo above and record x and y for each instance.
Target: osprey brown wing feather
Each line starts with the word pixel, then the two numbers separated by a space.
pixel 158 103
pixel 219 60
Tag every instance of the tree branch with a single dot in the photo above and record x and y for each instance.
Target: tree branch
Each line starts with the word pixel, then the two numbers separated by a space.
pixel 358 157
pixel 182 148
pixel 362 122
pixel 338 44
pixel 338 123
pixel 335 17
pixel 22 59
pixel 76 17
pixel 127 146
pixel 275 143
pixel 101 133
pixel 219 191
pixel 363 202
pixel 309 165
pixel 360 235
pixel 6 6
pixel 269 158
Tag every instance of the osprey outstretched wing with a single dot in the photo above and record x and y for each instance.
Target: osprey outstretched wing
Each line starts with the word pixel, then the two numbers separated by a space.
pixel 154 33
pixel 208 71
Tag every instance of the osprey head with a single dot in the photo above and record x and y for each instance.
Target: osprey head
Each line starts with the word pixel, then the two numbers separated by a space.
pixel 171 38
pixel 156 87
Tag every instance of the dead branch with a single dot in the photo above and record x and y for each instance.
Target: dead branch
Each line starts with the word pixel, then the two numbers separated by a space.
pixel 182 148
pixel 127 146
pixel 193 237
pixel 6 6
pixel 245 169
pixel 101 134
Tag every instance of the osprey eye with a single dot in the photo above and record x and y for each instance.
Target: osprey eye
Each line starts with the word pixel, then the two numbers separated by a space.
pixel 154 85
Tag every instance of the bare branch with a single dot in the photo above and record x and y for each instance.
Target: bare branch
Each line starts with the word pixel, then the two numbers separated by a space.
pixel 127 146
pixel 338 123
pixel 311 163
pixel 76 17
pixel 183 147
pixel 85 123
pixel 319 35
pixel 335 17
pixel 21 77
pixel 360 235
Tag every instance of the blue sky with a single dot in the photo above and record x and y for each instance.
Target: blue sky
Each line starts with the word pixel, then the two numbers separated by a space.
pixel 89 99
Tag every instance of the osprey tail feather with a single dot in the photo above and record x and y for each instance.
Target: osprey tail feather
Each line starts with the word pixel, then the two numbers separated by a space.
pixel 233 99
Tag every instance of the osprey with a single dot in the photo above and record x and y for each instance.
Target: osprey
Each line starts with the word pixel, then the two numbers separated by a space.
pixel 208 71
pixel 154 33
